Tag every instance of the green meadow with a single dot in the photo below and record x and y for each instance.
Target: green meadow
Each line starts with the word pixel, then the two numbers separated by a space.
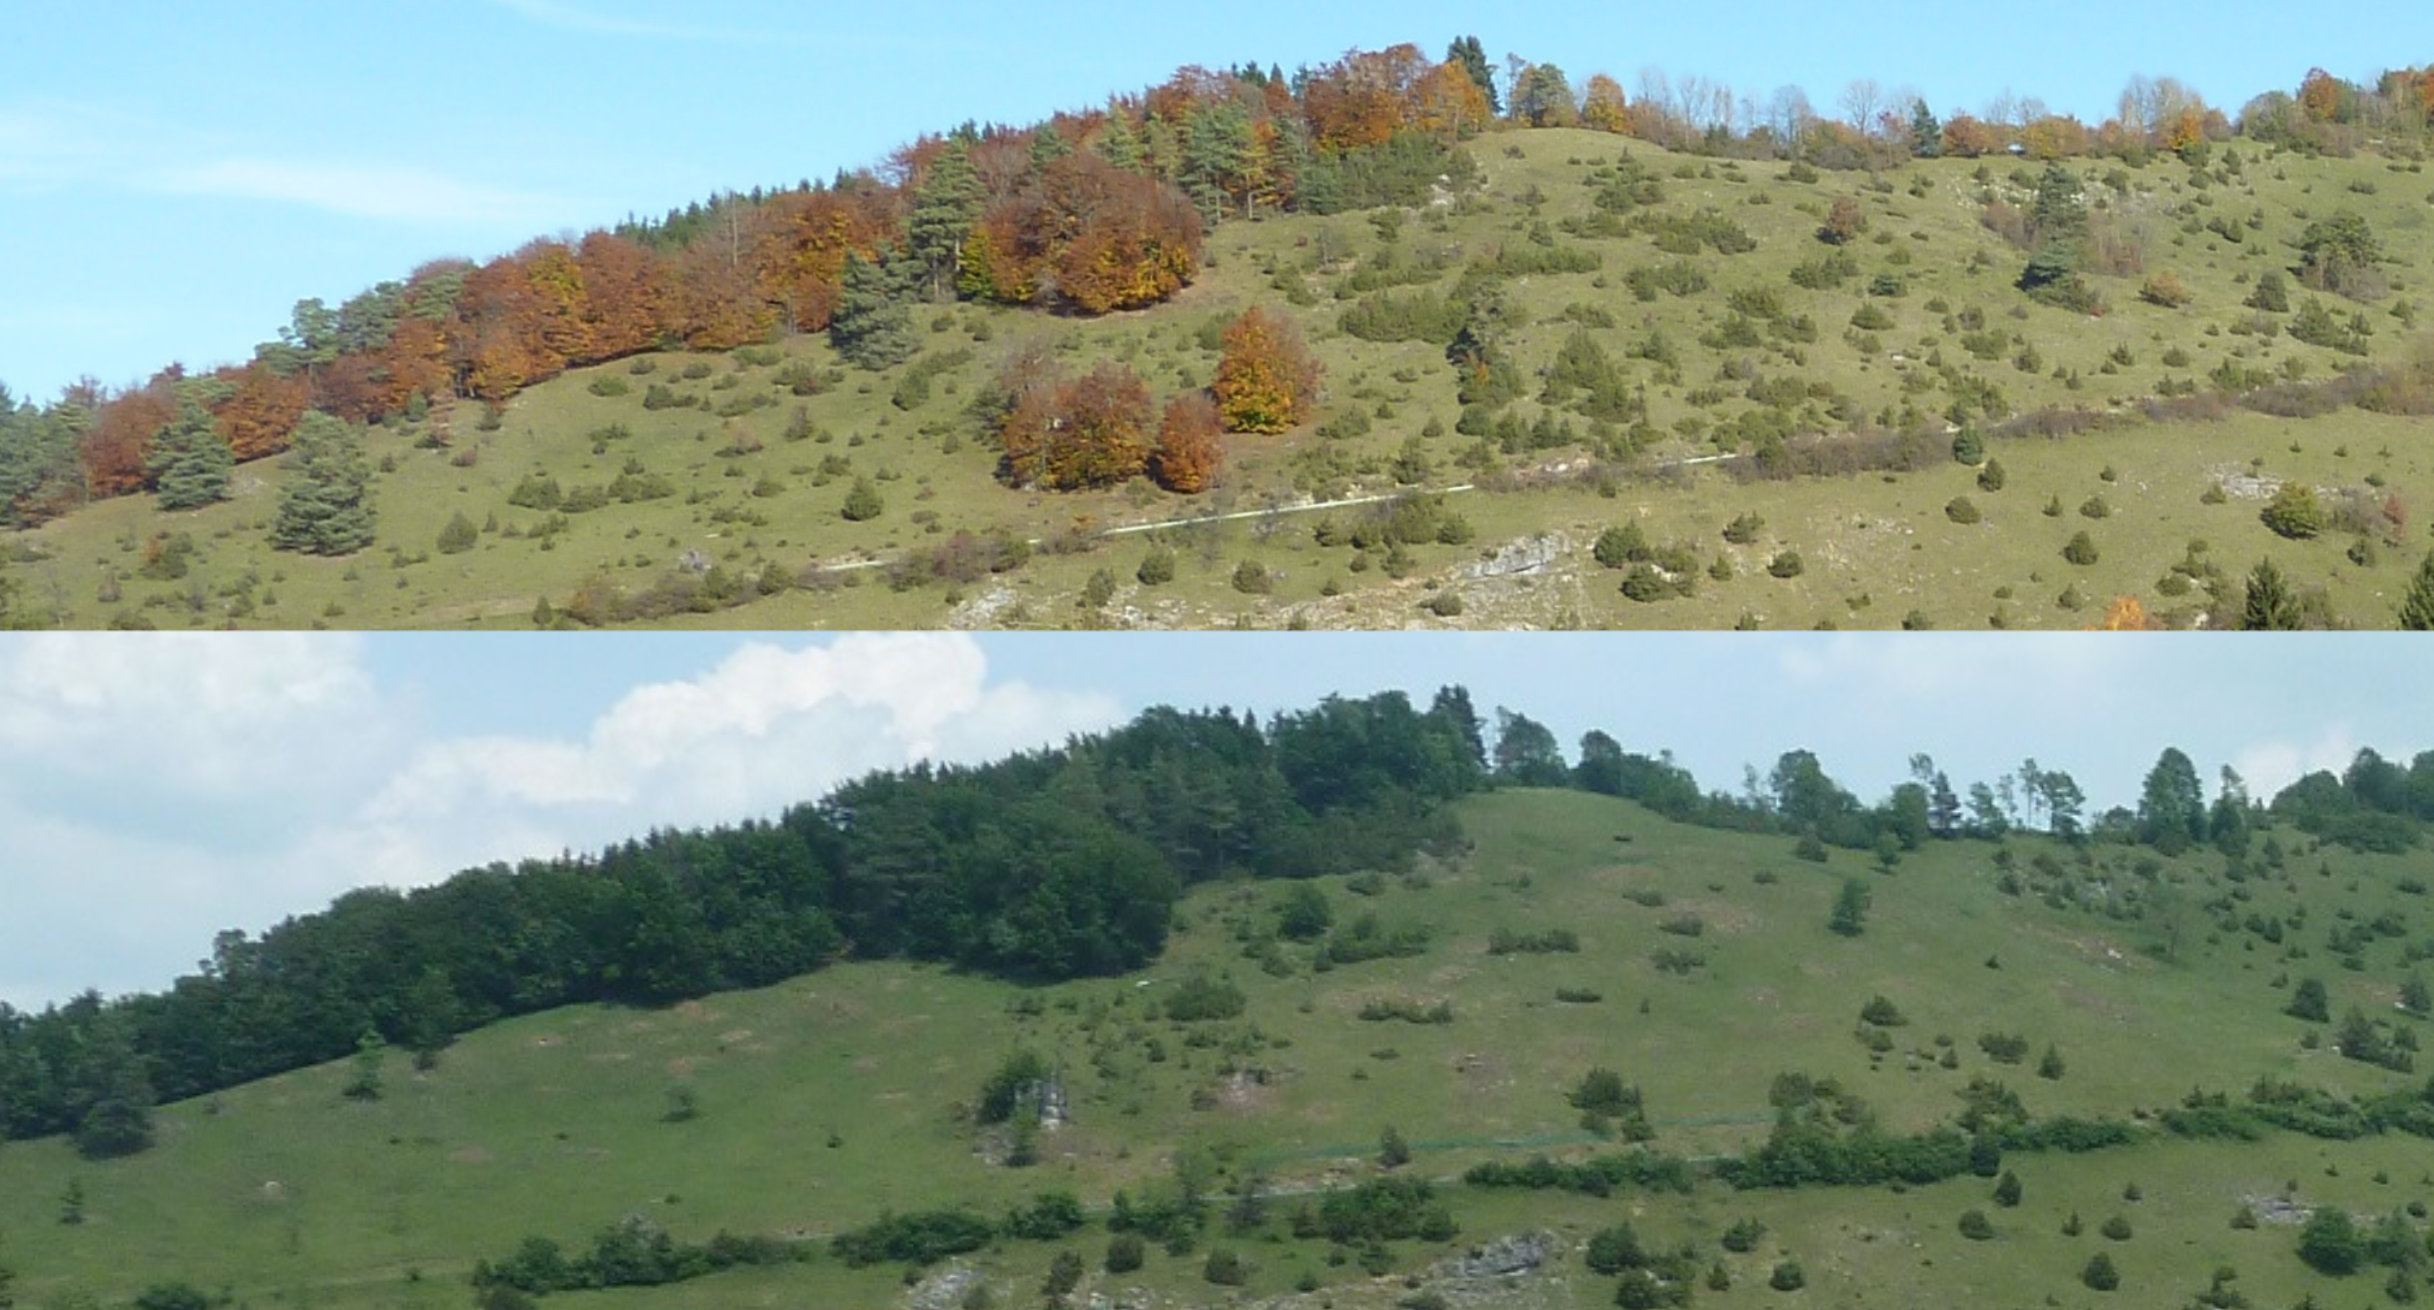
pixel 1703 969
pixel 723 505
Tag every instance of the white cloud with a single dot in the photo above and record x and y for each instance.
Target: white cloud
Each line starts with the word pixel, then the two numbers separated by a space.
pixel 387 192
pixel 216 715
pixel 767 727
pixel 46 145
pixel 574 18
pixel 2269 766
pixel 2017 667
pixel 157 788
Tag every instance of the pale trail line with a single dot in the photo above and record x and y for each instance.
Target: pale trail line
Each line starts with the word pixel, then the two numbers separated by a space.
pixel 1276 511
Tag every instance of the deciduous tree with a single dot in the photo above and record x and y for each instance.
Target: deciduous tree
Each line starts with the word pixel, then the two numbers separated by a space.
pixel 1603 107
pixel 1266 378
pixel 1190 444
pixel 1467 54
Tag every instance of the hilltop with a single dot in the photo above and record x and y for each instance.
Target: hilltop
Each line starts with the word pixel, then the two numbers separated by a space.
pixel 1906 367
pixel 2146 1032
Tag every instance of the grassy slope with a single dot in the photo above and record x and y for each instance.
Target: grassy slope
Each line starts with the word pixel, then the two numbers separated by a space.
pixel 1876 549
pixel 551 1124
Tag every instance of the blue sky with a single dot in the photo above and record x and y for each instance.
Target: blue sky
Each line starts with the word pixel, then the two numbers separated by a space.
pixel 155 788
pixel 174 176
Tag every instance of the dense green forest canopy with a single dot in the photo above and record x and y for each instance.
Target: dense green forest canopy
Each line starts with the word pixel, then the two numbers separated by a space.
pixel 1048 865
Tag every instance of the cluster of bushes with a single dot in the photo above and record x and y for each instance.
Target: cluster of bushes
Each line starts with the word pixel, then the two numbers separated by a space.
pixel 918 1238
pixel 1505 941
pixel 1598 1175
pixel 1380 1009
pixel 2312 1111
pixel 602 599
pixel 1367 938
pixel 632 1253
pixel 1609 1105
pixel 1647 1278
pixel 1389 1209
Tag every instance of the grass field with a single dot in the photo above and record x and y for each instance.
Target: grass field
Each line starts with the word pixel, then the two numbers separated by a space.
pixel 832 1098
pixel 752 478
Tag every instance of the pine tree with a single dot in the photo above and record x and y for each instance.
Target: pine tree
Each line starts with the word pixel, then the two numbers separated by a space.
pixel 862 502
pixel 1926 134
pixel 459 535
pixel 1393 1151
pixel 1118 143
pixel 1048 146
pixel 2417 608
pixel 326 507
pixel 1467 52
pixel 945 207
pixel 190 463
pixel 2270 606
pixel 1217 149
pixel 1850 909
pixel 873 326
pixel 117 1120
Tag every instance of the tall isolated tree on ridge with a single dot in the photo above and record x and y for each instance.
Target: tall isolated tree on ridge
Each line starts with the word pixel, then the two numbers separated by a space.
pixel 1526 752
pixel 2172 807
pixel 1467 54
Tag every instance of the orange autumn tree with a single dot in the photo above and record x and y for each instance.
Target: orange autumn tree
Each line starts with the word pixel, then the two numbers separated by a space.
pixel 1266 379
pixel 2322 95
pixel 118 447
pixel 2125 614
pixel 1190 450
pixel 1364 98
pixel 260 411
pixel 1603 107
pixel 794 248
pixel 1064 435
pixel 1085 234
pixel 1448 103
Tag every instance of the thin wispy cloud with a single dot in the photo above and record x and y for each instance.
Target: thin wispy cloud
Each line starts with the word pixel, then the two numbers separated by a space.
pixel 54 146
pixel 574 18
pixel 387 192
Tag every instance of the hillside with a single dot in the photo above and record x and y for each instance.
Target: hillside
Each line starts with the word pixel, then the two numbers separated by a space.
pixel 1640 375
pixel 1703 969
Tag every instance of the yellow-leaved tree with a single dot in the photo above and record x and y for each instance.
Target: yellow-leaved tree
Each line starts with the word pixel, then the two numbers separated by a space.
pixel 1266 379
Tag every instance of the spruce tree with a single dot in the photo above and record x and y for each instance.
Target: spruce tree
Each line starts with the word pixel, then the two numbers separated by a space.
pixel 117 1119
pixel 1118 143
pixel 326 507
pixel 2417 608
pixel 1467 52
pixel 945 207
pixel 2270 606
pixel 1850 915
pixel 190 463
pixel 862 502
pixel 873 326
